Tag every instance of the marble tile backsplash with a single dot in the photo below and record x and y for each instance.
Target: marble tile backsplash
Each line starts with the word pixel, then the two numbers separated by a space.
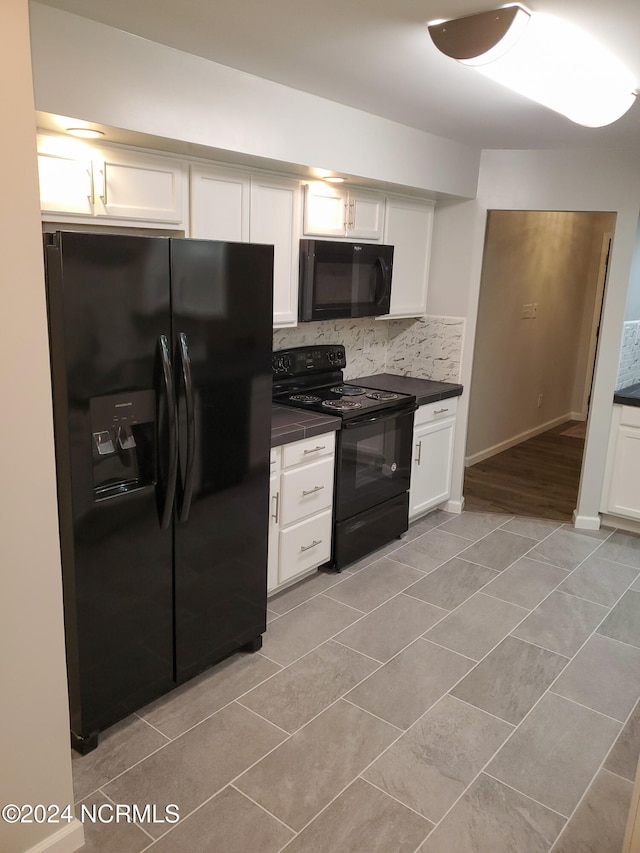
pixel 427 348
pixel 629 363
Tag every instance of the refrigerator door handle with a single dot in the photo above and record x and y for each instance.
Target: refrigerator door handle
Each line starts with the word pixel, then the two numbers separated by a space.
pixel 172 467
pixel 187 488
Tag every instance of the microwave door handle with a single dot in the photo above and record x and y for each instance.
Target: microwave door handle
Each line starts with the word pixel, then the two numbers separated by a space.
pixel 385 280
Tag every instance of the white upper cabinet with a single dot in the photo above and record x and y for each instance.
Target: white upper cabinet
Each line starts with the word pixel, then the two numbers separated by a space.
pixel 275 219
pixel 238 206
pixel 408 225
pixel 330 210
pixel 219 202
pixel 139 186
pixel 89 183
pixel 66 184
pixel 365 215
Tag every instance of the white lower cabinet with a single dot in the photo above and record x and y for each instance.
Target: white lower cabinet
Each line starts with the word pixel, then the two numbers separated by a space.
pixel 431 466
pixel 301 505
pixel 622 487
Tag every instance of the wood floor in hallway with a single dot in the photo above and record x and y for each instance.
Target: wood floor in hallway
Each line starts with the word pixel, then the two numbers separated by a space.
pixel 538 477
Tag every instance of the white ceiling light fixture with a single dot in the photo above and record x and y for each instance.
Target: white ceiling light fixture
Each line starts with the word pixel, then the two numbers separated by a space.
pixel 85 132
pixel 544 59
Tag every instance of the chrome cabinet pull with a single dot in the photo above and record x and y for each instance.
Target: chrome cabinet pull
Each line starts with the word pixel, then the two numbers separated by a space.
pixel 351 223
pixel 276 497
pixel 306 492
pixel 313 545
pixel 419 451
pixel 440 411
pixel 92 188
pixel 103 194
pixel 315 449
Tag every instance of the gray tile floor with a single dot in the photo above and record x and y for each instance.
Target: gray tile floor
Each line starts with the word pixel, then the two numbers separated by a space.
pixel 471 688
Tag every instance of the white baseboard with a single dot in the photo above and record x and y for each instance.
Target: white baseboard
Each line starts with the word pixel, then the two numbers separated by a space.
pixel 628 524
pixel 68 839
pixel 586 522
pixel 454 506
pixel 481 455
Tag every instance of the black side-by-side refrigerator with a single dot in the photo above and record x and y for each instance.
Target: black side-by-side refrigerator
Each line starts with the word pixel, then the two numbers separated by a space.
pixel 161 372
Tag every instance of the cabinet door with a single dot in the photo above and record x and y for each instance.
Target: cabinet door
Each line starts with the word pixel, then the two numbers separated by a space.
pixel 66 184
pixel 274 531
pixel 219 204
pixel 365 215
pixel 408 227
pixel 129 185
pixel 274 218
pixel 431 466
pixel 324 210
pixel 624 488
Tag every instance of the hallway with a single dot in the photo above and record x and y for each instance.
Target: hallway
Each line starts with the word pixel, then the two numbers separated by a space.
pixel 538 478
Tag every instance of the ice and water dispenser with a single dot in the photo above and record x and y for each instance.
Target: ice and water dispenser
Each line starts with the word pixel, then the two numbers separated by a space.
pixel 123 443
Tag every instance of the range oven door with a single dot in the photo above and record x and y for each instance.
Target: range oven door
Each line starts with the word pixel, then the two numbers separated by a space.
pixel 373 462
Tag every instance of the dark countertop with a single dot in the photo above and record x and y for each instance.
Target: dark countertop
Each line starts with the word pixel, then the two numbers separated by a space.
pixel 289 424
pixel 424 390
pixel 629 396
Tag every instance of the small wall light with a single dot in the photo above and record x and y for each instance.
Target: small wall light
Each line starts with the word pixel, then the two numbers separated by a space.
pixel 544 59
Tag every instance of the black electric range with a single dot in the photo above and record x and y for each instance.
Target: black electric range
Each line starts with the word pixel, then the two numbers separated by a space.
pixel 373 449
pixel 312 378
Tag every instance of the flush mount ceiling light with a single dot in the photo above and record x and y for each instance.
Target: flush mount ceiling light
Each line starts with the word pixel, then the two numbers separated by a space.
pixel 334 180
pixel 544 59
pixel 84 132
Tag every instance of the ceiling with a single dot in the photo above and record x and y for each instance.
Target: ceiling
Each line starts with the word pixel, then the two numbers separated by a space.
pixel 377 55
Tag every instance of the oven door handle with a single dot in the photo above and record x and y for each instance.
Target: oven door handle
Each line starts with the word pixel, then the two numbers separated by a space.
pixel 395 413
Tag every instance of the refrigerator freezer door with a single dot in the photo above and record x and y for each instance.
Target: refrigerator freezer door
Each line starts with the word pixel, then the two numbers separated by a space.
pixel 222 327
pixel 108 307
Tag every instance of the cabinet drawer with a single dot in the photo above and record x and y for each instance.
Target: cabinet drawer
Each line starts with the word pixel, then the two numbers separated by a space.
pixel 630 416
pixel 308 450
pixel 306 490
pixel 305 545
pixel 436 411
pixel 275 460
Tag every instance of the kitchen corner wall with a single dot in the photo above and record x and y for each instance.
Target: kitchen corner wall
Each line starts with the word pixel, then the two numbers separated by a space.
pixel 629 364
pixel 426 348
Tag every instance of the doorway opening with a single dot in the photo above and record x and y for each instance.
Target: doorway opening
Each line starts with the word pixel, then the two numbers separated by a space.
pixel 541 294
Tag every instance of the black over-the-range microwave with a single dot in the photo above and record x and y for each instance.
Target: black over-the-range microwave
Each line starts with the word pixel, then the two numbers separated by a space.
pixel 342 279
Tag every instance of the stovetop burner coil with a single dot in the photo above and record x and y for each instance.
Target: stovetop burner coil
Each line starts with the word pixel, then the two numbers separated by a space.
pixel 382 395
pixel 304 398
pixel 342 405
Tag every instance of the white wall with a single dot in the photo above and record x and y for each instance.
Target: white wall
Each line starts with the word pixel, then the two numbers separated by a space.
pixel 549 259
pixel 90 71
pixel 542 180
pixel 35 764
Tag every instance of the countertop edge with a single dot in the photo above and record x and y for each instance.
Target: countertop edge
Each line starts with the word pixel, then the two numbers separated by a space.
pixel 289 424
pixel 629 396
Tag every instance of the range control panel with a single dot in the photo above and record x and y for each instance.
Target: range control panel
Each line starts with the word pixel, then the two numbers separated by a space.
pixel 301 361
